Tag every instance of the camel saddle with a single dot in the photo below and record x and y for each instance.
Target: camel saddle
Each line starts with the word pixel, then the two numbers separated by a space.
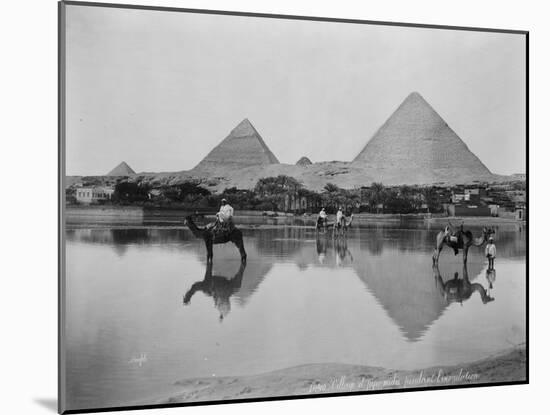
pixel 222 227
pixel 455 240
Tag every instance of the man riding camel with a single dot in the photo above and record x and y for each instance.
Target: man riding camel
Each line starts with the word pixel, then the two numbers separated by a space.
pixel 322 219
pixel 339 216
pixel 224 217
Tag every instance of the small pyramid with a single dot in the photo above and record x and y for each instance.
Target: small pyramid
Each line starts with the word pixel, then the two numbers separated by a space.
pixel 304 161
pixel 121 170
pixel 416 141
pixel 243 147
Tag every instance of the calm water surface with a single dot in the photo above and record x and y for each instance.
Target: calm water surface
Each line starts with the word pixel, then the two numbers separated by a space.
pixel 144 310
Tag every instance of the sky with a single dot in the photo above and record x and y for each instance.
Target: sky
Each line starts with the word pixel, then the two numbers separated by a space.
pixel 160 89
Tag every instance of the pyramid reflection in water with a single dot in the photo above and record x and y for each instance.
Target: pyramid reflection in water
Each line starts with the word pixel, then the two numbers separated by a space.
pixel 394 265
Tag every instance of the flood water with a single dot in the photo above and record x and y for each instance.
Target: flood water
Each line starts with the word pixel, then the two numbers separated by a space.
pixel 144 310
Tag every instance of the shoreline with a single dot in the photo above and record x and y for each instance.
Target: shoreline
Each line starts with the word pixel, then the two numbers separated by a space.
pixel 135 215
pixel 328 378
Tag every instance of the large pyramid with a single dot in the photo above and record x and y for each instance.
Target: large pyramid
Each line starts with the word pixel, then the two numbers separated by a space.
pixel 243 147
pixel 417 146
pixel 121 170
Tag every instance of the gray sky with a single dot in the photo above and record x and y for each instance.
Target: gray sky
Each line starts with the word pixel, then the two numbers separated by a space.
pixel 160 89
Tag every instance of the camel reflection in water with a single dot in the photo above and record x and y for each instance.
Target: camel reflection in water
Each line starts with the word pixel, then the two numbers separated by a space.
pixel 219 287
pixel 400 281
pixel 340 245
pixel 457 290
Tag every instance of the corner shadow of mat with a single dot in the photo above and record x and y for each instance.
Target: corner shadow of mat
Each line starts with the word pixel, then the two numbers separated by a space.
pixel 48 403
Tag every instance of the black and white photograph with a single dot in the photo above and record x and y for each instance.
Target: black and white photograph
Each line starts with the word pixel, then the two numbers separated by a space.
pixel 266 206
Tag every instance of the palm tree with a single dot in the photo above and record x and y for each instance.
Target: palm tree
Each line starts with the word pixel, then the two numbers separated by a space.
pixel 378 193
pixel 278 189
pixel 430 196
pixel 405 191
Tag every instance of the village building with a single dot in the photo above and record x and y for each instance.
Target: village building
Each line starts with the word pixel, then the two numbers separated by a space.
pixel 94 194
pixel 468 202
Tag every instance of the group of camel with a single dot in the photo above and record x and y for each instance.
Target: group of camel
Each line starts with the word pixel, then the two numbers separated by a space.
pixel 221 288
pixel 213 237
pixel 456 239
pixel 338 228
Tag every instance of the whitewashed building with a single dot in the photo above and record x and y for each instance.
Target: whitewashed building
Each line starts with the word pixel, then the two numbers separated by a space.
pixel 96 194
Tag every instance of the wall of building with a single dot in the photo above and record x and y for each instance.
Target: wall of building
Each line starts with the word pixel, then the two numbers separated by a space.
pixel 472 211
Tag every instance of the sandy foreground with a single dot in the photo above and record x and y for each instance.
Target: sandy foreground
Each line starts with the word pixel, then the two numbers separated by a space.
pixel 507 366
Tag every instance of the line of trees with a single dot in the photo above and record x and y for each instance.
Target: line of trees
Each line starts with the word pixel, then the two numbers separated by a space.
pixel 281 193
pixel 378 198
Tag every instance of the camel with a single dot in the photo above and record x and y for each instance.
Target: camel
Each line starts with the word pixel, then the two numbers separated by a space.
pixel 340 229
pixel 459 289
pixel 212 237
pixel 326 225
pixel 218 287
pixel 464 241
pixel 322 224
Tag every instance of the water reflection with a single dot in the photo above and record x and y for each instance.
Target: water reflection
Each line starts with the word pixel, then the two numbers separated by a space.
pixel 370 298
pixel 396 274
pixel 392 263
pixel 219 287
pixel 121 238
pixel 491 276
pixel 460 289
pixel 333 251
